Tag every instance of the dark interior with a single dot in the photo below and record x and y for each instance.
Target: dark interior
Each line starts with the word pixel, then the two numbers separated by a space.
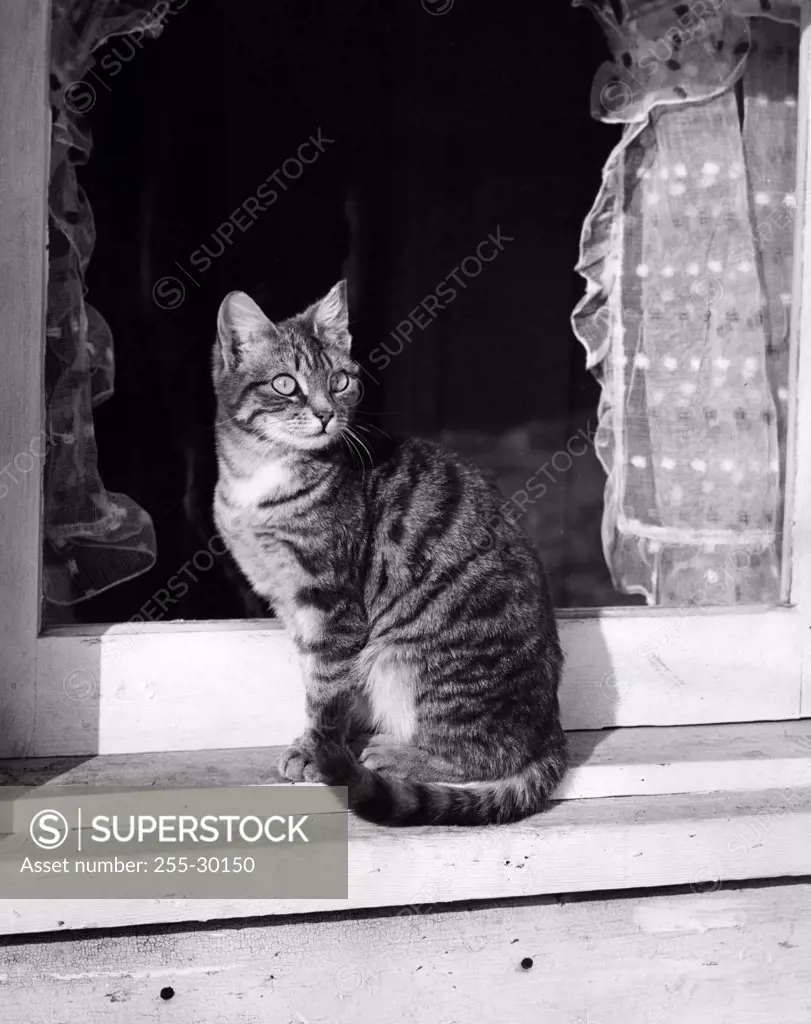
pixel 442 129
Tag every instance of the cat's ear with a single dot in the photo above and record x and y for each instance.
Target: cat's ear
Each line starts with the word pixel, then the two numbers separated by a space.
pixel 240 325
pixel 331 317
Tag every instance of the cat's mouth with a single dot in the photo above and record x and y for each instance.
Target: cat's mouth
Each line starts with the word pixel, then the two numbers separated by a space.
pixel 314 441
pixel 306 436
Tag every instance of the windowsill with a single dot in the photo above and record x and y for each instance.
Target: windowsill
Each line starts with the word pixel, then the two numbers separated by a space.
pixel 670 806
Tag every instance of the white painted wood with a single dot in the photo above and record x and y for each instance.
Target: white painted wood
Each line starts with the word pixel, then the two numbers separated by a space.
pixel 795 581
pixel 797 526
pixel 576 846
pixel 692 759
pixel 617 762
pixel 128 690
pixel 724 957
pixel 24 127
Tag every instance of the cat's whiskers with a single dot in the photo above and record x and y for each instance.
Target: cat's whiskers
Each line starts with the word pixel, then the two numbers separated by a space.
pixel 369 427
pixel 351 448
pixel 361 442
pixel 374 380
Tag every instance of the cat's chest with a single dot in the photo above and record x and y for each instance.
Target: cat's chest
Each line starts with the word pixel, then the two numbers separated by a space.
pixel 270 482
pixel 249 511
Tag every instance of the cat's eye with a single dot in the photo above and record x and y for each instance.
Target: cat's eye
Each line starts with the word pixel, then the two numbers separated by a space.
pixel 340 381
pixel 284 384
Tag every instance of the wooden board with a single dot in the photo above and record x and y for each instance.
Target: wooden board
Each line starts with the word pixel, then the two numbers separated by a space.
pixel 24 140
pixel 735 956
pixel 617 762
pixel 797 525
pixel 691 759
pixel 576 846
pixel 203 685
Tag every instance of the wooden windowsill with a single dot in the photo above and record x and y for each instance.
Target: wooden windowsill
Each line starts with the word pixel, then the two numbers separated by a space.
pixel 696 806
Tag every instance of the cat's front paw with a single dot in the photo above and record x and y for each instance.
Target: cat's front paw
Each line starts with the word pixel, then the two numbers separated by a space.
pixel 297 762
pixel 385 754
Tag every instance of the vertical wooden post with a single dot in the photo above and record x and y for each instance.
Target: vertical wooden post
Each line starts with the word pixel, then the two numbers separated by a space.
pixel 796 569
pixel 24 147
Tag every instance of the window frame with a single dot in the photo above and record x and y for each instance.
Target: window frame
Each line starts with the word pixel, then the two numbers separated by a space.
pixel 104 689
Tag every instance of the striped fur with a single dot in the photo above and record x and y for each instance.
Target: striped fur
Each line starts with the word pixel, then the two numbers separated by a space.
pixel 420 613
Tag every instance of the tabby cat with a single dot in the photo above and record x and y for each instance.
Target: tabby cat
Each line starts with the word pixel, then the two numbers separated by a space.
pixel 420 614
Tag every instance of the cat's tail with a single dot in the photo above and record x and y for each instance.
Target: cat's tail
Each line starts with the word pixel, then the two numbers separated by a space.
pixel 387 800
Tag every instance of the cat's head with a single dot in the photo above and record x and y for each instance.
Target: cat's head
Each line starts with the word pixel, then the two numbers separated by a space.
pixel 292 383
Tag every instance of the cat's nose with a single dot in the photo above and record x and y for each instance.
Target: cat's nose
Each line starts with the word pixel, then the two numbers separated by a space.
pixel 325 415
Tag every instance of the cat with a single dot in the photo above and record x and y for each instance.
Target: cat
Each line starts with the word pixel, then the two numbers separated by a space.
pixel 419 613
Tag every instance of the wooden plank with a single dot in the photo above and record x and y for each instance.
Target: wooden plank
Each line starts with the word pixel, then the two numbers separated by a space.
pixel 618 762
pixel 796 579
pixel 797 528
pixel 576 846
pixel 129 690
pixel 691 759
pixel 726 957
pixel 24 141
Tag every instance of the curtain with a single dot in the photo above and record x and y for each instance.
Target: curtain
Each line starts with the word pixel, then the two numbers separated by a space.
pixel 687 256
pixel 93 539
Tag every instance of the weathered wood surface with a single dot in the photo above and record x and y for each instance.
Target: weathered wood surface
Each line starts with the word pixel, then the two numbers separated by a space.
pixel 576 846
pixel 621 762
pixel 181 688
pixel 737 956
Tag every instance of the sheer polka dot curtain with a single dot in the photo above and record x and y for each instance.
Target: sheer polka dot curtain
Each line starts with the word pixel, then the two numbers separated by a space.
pixel 687 256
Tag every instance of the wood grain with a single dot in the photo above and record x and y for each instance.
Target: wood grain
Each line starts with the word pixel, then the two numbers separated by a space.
pixel 617 762
pixel 727 957
pixel 576 846
pixel 129 690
